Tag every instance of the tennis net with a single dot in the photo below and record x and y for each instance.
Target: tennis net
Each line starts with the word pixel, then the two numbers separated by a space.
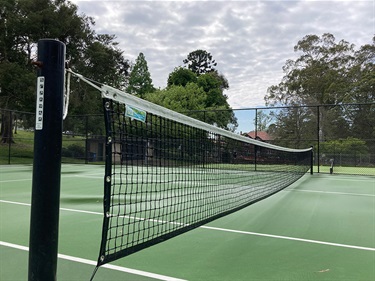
pixel 167 173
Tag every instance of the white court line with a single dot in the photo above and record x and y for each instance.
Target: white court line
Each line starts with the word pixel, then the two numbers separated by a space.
pixel 89 176
pixel 228 230
pixel 15 203
pixel 92 176
pixel 5 181
pixel 108 266
pixel 333 192
pixel 290 238
pixel 346 178
pixel 62 209
pixel 15 167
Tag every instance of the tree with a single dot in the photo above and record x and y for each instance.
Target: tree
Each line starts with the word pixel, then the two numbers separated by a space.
pixel 217 109
pixel 103 62
pixel 181 76
pixel 103 56
pixel 292 126
pixel 348 145
pixel 200 62
pixel 180 98
pixel 362 74
pixel 262 120
pixel 326 73
pixel 212 85
pixel 23 23
pixel 344 151
pixel 140 82
pixel 213 107
pixel 318 76
pixel 15 91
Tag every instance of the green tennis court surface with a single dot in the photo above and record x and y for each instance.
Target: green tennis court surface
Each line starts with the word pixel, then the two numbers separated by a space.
pixel 320 228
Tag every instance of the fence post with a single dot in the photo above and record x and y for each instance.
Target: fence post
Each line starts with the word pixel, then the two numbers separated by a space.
pixel 45 201
pixel 87 153
pixel 256 123
pixel 10 136
pixel 318 136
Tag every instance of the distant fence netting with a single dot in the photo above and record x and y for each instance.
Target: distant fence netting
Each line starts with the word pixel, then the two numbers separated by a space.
pixel 343 133
pixel 167 173
pixel 83 138
pixel 17 137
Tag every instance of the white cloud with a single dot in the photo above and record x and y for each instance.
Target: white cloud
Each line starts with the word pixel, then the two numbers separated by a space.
pixel 250 40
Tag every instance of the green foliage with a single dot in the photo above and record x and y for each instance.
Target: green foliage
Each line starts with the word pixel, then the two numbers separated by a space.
pixel 73 151
pixel 362 74
pixel 179 98
pixel 262 120
pixel 198 92
pixel 292 126
pixel 140 82
pixel 318 76
pixel 211 84
pixel 181 76
pixel 23 23
pixel 221 116
pixel 326 73
pixel 349 145
pixel 329 73
pixel 17 86
pixel 101 61
pixel 103 56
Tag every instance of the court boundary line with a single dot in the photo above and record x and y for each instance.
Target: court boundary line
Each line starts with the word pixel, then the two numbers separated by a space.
pixel 332 192
pixel 227 230
pixel 290 238
pixel 107 266
pixel 6 181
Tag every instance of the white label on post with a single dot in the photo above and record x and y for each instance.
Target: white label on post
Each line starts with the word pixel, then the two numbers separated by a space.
pixel 39 103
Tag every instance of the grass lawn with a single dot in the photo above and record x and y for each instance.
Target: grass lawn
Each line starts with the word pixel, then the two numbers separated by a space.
pixel 21 151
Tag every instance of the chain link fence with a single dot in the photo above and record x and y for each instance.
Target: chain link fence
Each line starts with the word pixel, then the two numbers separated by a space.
pixel 343 136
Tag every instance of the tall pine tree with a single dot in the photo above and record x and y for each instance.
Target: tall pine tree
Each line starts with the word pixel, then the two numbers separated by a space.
pixel 140 82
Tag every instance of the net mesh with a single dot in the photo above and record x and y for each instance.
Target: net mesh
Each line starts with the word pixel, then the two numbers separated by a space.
pixel 165 176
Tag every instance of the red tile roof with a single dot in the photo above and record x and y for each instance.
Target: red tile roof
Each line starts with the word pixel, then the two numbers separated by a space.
pixel 260 135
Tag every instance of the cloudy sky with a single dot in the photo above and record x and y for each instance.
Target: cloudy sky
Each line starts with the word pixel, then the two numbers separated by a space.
pixel 250 40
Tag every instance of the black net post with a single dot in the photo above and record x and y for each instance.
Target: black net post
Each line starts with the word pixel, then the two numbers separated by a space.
pixel 45 200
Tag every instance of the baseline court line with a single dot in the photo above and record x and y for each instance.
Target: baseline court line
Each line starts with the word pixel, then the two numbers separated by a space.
pixel 93 263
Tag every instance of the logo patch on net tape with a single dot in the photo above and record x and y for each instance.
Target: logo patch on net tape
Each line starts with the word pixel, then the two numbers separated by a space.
pixel 135 113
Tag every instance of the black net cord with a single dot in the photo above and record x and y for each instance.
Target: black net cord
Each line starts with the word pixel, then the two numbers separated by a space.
pixel 93 274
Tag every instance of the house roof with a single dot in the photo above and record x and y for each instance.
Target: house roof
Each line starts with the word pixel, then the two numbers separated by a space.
pixel 260 135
